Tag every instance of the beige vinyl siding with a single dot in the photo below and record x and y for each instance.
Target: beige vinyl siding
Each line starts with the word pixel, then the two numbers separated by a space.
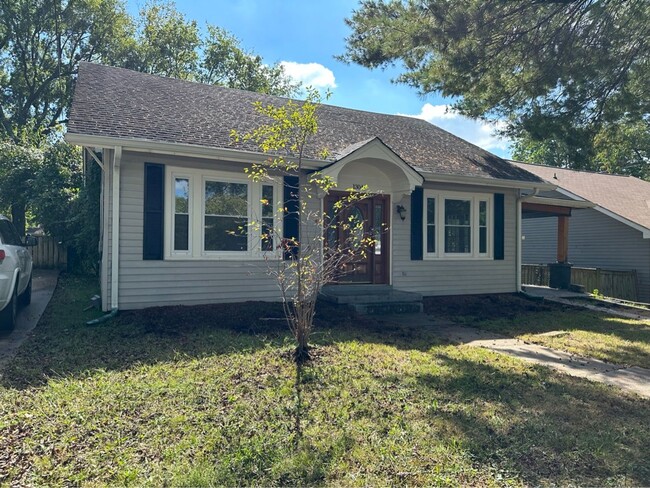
pixel 188 282
pixel 178 282
pixel 595 241
pixel 460 276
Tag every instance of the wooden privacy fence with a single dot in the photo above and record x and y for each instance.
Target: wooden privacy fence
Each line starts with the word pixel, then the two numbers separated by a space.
pixel 48 253
pixel 617 284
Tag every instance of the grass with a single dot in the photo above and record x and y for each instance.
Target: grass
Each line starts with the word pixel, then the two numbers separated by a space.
pixel 206 396
pixel 612 339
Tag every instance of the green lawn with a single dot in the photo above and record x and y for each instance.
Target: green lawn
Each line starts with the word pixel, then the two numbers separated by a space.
pixel 586 333
pixel 205 396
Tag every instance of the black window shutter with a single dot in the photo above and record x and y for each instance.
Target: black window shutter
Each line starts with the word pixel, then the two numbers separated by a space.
pixel 499 226
pixel 291 231
pixel 154 207
pixel 417 223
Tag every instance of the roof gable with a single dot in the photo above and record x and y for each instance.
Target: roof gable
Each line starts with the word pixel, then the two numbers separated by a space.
pixel 624 196
pixel 127 105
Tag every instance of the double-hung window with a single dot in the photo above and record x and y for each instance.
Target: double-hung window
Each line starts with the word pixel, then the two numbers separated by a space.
pixel 219 215
pixel 458 225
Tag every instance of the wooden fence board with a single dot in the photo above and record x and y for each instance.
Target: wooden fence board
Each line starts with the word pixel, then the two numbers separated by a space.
pixel 616 284
pixel 49 253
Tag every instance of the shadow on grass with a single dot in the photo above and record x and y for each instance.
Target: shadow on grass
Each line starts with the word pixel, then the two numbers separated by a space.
pixel 63 345
pixel 543 426
pixel 516 315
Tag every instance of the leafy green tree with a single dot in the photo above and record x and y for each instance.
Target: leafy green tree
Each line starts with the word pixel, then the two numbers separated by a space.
pixel 225 63
pixel 165 43
pixel 548 67
pixel 19 166
pixel 310 261
pixel 55 189
pixel 41 44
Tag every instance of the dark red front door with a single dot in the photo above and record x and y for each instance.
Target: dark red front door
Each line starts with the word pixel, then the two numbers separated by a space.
pixel 367 218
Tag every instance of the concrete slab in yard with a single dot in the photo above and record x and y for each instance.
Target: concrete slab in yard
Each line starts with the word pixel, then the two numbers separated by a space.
pixel 43 285
pixel 632 379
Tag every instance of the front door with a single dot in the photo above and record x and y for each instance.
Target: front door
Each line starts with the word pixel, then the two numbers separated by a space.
pixel 367 218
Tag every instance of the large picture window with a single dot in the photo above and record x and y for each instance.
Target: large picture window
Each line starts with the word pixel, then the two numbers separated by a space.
pixel 218 215
pixel 226 216
pixel 457 225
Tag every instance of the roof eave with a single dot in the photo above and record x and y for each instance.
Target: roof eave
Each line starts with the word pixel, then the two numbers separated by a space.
pixel 482 181
pixel 243 156
pixel 180 149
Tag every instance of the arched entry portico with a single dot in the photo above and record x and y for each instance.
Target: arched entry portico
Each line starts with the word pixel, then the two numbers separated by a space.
pixel 373 168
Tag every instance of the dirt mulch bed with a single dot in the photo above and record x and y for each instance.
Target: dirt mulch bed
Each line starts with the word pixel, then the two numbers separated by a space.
pixel 248 317
pixel 486 307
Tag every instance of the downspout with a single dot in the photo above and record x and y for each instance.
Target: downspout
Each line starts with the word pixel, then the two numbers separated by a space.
pixel 115 229
pixel 113 312
pixel 521 198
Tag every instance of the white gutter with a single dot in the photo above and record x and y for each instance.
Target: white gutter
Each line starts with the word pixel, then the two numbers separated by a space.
pixel 474 180
pixel 518 261
pixel 180 149
pixel 560 202
pixel 115 228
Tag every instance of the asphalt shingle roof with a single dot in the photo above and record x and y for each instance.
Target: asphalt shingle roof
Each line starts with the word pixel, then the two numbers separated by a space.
pixel 125 104
pixel 626 196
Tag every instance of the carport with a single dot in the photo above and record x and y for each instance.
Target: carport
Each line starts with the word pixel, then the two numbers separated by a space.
pixel 541 206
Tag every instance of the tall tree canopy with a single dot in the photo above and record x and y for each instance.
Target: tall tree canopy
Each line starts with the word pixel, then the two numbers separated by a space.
pixel 43 41
pixel 41 44
pixel 571 77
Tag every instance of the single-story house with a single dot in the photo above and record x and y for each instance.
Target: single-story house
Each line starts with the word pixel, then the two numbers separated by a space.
pixel 613 234
pixel 452 210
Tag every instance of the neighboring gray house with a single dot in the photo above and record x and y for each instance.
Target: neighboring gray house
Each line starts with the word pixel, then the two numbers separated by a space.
pixel 614 234
pixel 165 144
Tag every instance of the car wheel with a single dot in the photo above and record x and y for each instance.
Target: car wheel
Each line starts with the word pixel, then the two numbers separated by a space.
pixel 8 314
pixel 26 297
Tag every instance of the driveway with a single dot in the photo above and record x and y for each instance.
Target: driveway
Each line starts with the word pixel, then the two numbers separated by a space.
pixel 43 284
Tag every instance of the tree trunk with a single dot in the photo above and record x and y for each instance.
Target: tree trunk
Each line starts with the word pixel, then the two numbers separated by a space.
pixel 18 217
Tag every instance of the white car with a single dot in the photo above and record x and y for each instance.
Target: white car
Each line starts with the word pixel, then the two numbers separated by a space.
pixel 15 272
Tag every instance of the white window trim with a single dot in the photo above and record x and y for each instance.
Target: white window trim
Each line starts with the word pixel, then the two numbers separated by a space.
pixel 197 179
pixel 173 176
pixel 474 199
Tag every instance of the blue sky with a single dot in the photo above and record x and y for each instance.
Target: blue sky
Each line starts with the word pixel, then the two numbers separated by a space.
pixel 305 36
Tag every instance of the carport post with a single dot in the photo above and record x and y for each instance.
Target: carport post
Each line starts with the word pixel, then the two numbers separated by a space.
pixel 562 239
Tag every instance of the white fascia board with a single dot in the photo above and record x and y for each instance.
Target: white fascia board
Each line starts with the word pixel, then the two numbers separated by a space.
pixel 644 230
pixel 474 180
pixel 179 149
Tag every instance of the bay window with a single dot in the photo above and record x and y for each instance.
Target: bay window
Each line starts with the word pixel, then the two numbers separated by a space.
pixel 212 214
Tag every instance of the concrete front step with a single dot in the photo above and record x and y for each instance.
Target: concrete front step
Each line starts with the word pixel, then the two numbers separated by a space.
pixel 390 308
pixel 373 299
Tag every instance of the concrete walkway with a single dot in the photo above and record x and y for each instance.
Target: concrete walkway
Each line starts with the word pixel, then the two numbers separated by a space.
pixel 43 284
pixel 565 298
pixel 632 379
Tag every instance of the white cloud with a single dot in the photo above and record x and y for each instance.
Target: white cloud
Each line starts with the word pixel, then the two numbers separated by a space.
pixel 475 131
pixel 310 74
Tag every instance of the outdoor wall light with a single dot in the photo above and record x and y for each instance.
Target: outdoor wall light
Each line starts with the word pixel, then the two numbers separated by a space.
pixel 401 211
